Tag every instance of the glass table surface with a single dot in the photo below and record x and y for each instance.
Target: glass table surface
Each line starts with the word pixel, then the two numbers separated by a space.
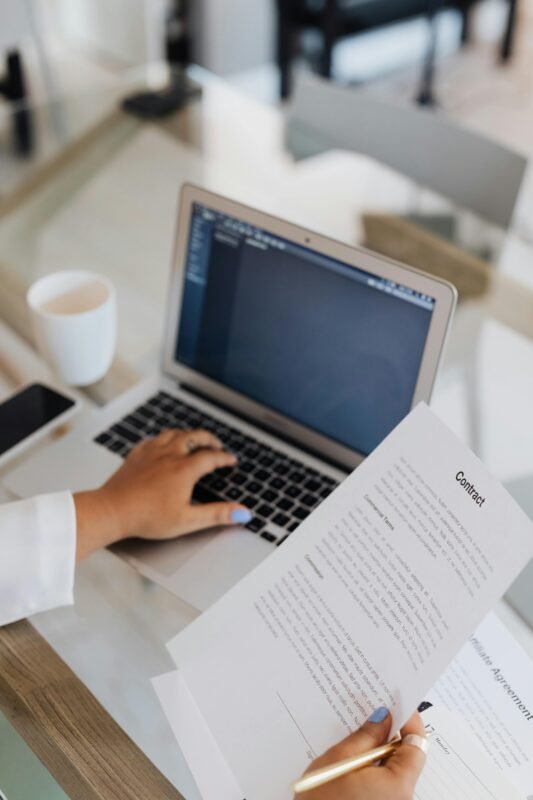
pixel 105 198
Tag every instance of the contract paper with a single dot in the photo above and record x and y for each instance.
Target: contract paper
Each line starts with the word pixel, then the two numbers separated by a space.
pixel 213 777
pixel 456 766
pixel 365 605
pixel 490 684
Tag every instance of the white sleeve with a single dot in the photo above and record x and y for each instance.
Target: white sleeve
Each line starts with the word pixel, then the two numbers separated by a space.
pixel 37 555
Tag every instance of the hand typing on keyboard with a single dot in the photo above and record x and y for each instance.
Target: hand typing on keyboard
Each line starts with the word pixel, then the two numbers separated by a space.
pixel 150 495
pixel 278 490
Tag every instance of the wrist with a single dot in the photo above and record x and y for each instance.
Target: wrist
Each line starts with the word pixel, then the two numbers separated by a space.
pixel 97 522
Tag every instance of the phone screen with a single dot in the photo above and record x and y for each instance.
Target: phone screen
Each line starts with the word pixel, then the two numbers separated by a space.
pixel 27 411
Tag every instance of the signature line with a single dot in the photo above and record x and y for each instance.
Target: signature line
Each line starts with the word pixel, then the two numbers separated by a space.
pixel 306 740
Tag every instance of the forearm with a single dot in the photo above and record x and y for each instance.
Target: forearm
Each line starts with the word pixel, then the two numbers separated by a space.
pixel 97 523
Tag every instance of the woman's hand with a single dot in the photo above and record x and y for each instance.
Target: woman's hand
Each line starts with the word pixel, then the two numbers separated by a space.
pixel 150 495
pixel 395 779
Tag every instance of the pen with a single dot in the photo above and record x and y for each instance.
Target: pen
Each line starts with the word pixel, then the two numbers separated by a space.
pixel 326 774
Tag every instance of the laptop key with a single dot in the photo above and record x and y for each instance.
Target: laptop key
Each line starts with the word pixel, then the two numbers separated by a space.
pixel 325 491
pixel 313 485
pixel 133 420
pixel 103 439
pixel 292 527
pixel 301 513
pixel 281 520
pixel 239 478
pixel 269 496
pixel 219 484
pixel 158 399
pixel 115 446
pixel 268 536
pixel 281 469
pixel 145 412
pixel 297 477
pixel 266 461
pixel 233 493
pixel 254 487
pixel 126 433
pixel 309 500
pixel 255 525
pixel 265 511
pixel 277 483
pixel 280 541
pixel 293 491
pixel 249 501
pixel 203 495
pixel 284 504
pixel 262 475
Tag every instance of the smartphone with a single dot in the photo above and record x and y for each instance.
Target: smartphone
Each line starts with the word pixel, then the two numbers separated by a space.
pixel 30 414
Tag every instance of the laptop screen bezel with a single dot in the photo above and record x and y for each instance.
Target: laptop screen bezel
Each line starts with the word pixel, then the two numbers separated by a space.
pixel 444 293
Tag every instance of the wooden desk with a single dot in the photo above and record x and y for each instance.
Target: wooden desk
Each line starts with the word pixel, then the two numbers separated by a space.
pixel 87 753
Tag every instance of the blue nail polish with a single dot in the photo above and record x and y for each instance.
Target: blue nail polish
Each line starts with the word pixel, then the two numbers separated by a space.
pixel 241 515
pixel 379 714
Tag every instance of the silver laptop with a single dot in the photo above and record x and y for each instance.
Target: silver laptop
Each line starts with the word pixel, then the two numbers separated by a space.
pixel 299 352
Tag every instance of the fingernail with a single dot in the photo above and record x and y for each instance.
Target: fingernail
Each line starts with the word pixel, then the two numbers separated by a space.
pixel 379 714
pixel 241 515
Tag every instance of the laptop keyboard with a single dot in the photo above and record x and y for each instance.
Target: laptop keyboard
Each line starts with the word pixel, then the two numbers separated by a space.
pixel 280 491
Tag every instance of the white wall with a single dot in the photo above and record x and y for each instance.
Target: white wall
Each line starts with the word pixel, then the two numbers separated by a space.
pixel 231 35
pixel 128 31
pixel 234 35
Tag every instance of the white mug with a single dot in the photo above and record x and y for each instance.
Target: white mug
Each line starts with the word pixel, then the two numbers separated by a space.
pixel 75 324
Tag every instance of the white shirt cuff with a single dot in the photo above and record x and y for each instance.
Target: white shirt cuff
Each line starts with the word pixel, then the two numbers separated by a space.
pixel 38 547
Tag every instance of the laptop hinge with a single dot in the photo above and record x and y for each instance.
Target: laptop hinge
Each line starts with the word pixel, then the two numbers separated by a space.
pixel 261 425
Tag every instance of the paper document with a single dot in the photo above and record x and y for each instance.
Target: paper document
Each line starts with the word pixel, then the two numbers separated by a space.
pixel 363 606
pixel 456 767
pixel 490 684
pixel 208 767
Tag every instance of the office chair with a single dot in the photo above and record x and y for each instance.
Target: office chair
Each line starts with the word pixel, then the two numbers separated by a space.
pixel 337 19
pixel 322 116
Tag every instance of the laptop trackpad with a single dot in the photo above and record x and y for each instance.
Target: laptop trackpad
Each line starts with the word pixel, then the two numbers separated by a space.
pixel 201 568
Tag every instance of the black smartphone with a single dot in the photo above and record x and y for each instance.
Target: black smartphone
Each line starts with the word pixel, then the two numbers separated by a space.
pixel 33 411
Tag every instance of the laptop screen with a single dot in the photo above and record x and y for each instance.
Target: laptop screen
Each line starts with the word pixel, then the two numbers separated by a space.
pixel 334 348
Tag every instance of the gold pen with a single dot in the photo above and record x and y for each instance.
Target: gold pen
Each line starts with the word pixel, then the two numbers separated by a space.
pixel 326 774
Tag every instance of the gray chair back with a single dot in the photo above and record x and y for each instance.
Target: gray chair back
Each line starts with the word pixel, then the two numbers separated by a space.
pixel 471 170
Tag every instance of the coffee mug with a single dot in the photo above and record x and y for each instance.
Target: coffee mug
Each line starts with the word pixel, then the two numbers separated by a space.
pixel 74 318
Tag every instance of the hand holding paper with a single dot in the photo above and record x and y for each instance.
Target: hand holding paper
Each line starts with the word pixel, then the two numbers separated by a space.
pixel 364 606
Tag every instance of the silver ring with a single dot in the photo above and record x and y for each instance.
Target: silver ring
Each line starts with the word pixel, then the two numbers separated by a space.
pixel 416 741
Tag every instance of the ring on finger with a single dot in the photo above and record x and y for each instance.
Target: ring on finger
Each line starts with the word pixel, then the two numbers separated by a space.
pixel 416 741
pixel 191 445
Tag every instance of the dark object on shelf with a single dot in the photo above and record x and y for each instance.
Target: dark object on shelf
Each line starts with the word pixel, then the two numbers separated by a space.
pixel 151 105
pixel 336 19
pixel 13 87
pixel 161 103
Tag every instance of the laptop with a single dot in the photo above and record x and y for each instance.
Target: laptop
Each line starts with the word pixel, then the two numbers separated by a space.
pixel 299 352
